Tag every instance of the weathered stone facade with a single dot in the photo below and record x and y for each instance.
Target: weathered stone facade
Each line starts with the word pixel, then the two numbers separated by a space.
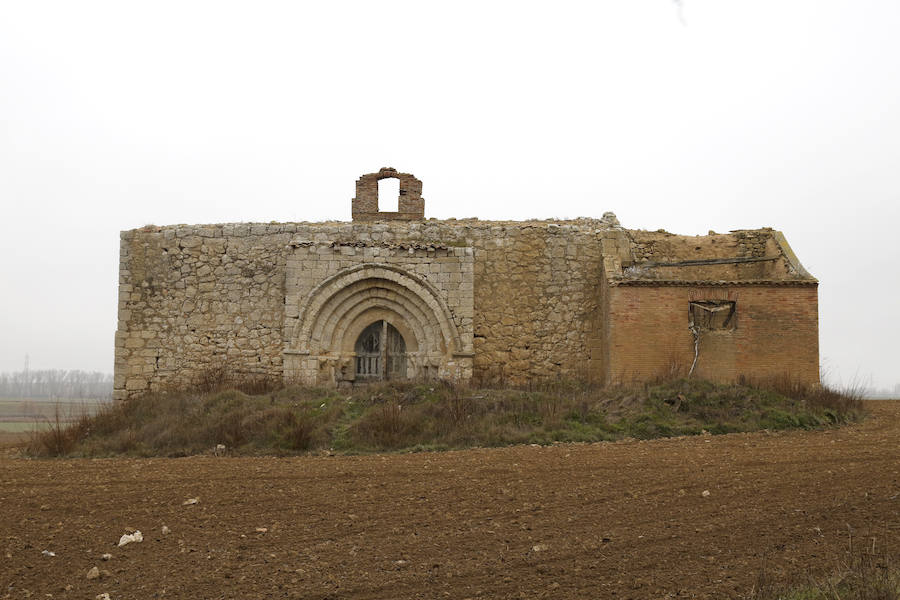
pixel 465 299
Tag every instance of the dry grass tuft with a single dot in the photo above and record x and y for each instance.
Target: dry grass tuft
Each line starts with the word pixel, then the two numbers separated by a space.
pixel 863 575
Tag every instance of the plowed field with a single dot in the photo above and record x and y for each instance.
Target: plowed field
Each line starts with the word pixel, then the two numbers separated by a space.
pixel 615 520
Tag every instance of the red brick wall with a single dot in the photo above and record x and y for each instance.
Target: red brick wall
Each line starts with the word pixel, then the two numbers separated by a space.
pixel 776 333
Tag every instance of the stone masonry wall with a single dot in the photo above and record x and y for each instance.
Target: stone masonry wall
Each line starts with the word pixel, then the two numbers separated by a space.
pixel 197 298
pixel 538 304
pixel 193 299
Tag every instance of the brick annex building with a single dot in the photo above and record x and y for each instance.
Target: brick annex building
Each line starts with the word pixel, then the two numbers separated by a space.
pixel 394 295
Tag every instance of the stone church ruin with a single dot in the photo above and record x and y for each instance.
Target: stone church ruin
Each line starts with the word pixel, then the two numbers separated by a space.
pixel 393 295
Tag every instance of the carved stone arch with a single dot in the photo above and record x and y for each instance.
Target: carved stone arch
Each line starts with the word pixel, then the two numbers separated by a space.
pixel 321 345
pixel 414 288
pixel 359 296
pixel 412 329
pixel 371 315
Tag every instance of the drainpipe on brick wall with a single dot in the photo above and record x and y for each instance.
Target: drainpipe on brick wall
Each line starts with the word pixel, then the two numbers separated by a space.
pixel 696 331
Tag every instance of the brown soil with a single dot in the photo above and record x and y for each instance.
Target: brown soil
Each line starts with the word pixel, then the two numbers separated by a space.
pixel 614 520
pixel 11 439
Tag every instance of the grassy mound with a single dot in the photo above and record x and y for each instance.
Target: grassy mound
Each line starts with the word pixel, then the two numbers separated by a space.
pixel 434 416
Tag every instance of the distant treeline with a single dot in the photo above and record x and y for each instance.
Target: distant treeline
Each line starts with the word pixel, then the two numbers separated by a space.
pixel 56 383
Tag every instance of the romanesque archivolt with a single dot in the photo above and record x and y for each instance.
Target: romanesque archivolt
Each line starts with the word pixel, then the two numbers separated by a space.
pixel 393 295
pixel 335 313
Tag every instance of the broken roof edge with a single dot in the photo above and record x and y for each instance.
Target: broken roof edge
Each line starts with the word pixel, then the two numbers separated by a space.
pixel 624 282
pixel 791 257
pixel 641 257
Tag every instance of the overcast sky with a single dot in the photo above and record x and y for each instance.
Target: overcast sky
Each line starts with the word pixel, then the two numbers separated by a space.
pixel 716 115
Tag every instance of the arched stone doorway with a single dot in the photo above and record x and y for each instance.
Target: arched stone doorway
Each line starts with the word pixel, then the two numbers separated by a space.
pixel 325 335
pixel 380 353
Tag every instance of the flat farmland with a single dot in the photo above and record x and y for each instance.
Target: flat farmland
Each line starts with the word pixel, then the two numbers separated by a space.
pixel 19 417
pixel 24 414
pixel 696 517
